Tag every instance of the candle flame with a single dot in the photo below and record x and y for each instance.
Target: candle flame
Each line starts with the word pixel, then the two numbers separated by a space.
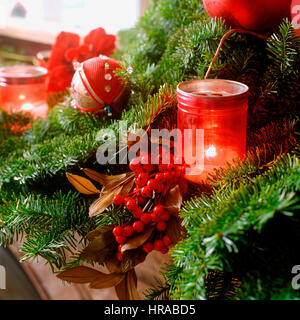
pixel 211 152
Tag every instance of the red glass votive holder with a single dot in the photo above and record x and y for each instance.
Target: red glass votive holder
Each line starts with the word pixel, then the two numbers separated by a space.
pixel 23 89
pixel 212 117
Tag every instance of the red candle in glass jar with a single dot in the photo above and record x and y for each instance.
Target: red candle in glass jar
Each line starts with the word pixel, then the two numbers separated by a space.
pixel 212 117
pixel 23 89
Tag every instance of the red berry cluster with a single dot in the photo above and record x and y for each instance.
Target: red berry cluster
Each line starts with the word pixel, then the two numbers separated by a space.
pixel 152 183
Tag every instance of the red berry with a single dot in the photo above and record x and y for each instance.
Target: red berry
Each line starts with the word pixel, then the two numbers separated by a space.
pixel 165 217
pixel 119 256
pixel 121 239
pixel 129 231
pixel 168 177
pixel 146 218
pixel 137 213
pixel 126 199
pixel 148 167
pixel 161 226
pixel 159 177
pixel 118 231
pixel 158 244
pixel 152 184
pixel 162 167
pixel 159 210
pixel 146 192
pixel 118 200
pixel 167 241
pixel 142 179
pixel 171 167
pixel 155 217
pixel 142 200
pixel 160 188
pixel 148 247
pixel 131 205
pixel 135 164
pixel 164 250
pixel 138 226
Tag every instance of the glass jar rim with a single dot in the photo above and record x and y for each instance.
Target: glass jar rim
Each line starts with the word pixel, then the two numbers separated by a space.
pixel 22 74
pixel 207 83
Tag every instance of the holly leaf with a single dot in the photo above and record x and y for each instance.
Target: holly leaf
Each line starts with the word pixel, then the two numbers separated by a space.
pixel 127 288
pixel 173 200
pixel 79 274
pixel 138 240
pixel 107 280
pixel 105 200
pixel 175 230
pixel 82 185
pixel 100 248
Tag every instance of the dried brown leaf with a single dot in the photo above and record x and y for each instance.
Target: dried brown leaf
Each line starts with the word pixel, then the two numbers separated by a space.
pixel 173 200
pixel 131 285
pixel 103 179
pixel 97 232
pixel 100 248
pixel 79 274
pixel 103 202
pixel 81 184
pixel 175 230
pixel 107 280
pixel 121 290
pixel 127 288
pixel 127 187
pixel 113 265
pixel 137 240
pixel 131 258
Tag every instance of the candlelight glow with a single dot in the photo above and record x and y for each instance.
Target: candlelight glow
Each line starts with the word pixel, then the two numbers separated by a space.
pixel 211 152
pixel 22 97
pixel 27 107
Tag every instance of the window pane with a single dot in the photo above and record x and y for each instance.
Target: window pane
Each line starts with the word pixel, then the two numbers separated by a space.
pixel 73 15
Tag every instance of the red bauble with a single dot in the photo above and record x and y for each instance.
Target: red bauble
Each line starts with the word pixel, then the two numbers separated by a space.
pixel 253 15
pixel 295 15
pixel 95 86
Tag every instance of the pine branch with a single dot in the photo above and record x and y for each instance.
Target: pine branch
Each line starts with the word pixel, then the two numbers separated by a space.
pixel 48 226
pixel 217 224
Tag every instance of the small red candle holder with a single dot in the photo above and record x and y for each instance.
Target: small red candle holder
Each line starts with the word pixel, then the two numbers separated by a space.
pixel 212 117
pixel 23 89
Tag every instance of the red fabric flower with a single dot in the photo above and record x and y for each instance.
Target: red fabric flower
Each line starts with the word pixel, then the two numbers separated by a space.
pixel 100 42
pixel 67 49
pixel 64 41
pixel 79 54
pixel 60 78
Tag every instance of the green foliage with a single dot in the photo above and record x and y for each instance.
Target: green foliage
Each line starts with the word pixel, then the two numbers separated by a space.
pixel 50 225
pixel 242 237
pixel 219 225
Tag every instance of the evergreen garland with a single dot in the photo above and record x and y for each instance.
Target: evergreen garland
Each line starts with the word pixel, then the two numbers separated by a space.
pixel 241 239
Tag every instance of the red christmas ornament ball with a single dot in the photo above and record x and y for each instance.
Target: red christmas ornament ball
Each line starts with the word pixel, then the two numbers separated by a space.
pixel 253 15
pixel 95 86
